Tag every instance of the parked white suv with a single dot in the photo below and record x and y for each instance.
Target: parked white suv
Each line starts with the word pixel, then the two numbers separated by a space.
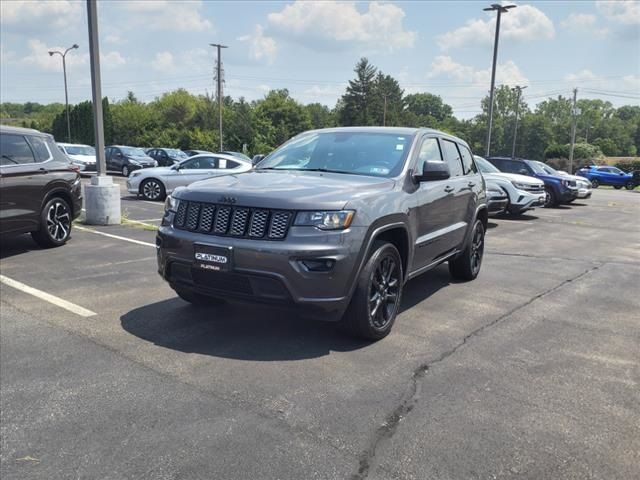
pixel 524 192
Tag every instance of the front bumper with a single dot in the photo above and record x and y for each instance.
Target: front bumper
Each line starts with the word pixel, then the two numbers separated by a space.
pixel 268 271
pixel 497 205
pixel 584 193
pixel 568 195
pixel 133 186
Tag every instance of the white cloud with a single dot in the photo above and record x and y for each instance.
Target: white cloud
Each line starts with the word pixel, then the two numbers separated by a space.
pixel 632 82
pixel 507 73
pixel 114 39
pixel 260 46
pixel 583 23
pixel 112 59
pixel 320 24
pixel 39 57
pixel 163 61
pixel 58 14
pixel 168 15
pixel 524 23
pixel 626 12
pixel 581 76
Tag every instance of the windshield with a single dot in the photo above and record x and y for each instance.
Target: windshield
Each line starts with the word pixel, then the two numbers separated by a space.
pixel 358 153
pixel 537 167
pixel 133 151
pixel 80 150
pixel 485 166
pixel 547 168
pixel 174 153
pixel 615 170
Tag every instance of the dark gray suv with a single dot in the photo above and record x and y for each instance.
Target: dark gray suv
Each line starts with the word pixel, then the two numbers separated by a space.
pixel 333 222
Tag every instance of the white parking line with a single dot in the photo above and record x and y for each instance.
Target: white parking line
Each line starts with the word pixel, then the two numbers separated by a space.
pixel 117 237
pixel 72 307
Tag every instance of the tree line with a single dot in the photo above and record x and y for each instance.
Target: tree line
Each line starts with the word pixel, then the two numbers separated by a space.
pixel 182 120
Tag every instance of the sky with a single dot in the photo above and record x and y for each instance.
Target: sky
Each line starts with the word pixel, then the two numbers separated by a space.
pixel 311 47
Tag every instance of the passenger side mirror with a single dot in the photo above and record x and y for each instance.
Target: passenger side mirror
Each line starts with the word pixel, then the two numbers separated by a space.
pixel 432 171
pixel 119 154
pixel 257 158
pixel 523 171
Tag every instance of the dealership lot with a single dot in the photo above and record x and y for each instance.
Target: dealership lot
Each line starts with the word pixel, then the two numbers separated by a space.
pixel 531 370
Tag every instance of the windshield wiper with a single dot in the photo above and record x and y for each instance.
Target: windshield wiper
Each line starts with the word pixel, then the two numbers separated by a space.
pixel 9 158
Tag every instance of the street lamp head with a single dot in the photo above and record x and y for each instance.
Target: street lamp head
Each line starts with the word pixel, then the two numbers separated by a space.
pixel 75 45
pixel 497 6
pixel 51 53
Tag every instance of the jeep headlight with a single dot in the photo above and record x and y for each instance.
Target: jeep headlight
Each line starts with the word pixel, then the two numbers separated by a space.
pixel 171 204
pixel 325 220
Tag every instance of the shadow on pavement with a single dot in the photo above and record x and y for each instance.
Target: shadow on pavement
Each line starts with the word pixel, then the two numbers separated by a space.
pixel 16 245
pixel 255 333
pixel 525 217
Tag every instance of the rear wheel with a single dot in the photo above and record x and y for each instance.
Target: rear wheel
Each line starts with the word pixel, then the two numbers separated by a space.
pixel 630 185
pixel 125 171
pixel 467 265
pixel 595 183
pixel 197 298
pixel 376 300
pixel 617 187
pixel 55 224
pixel 152 189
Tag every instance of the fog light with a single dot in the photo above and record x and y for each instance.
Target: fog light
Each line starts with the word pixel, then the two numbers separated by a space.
pixel 318 264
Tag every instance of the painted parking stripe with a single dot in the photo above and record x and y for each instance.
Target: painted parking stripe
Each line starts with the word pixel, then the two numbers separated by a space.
pixel 117 237
pixel 72 307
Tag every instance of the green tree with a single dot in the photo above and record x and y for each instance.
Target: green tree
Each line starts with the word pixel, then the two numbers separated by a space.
pixel 286 116
pixel 357 100
pixel 386 90
pixel 428 107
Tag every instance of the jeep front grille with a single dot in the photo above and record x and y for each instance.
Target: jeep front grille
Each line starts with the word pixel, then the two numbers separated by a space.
pixel 227 221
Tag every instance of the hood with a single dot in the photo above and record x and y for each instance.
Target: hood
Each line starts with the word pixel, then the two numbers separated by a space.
pixel 512 177
pixel 290 190
pixel 141 159
pixel 153 171
pixel 83 158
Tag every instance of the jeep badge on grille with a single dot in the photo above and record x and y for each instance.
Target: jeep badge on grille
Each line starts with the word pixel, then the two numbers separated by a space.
pixel 230 200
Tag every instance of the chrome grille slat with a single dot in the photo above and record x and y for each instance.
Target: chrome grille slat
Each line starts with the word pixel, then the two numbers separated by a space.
pixel 224 220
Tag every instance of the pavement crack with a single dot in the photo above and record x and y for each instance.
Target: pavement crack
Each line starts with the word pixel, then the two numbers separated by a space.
pixel 384 432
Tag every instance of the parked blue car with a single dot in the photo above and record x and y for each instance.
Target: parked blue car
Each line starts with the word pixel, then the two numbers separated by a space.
pixel 608 176
pixel 557 189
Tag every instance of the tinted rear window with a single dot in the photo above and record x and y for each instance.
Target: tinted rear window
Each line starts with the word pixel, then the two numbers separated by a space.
pixel 15 150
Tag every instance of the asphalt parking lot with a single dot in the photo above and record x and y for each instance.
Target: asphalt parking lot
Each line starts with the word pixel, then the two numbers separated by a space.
pixel 531 371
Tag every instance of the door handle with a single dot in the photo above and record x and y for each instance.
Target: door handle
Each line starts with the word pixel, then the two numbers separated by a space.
pixel 43 170
pixel 448 189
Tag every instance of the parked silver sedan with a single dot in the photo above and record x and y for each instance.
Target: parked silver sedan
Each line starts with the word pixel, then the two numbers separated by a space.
pixel 156 183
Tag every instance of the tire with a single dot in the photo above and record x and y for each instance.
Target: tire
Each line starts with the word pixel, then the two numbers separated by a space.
pixel 125 171
pixel 153 190
pixel 549 198
pixel 198 299
pixel 55 224
pixel 376 299
pixel 467 265
pixel 617 187
pixel 595 183
pixel 630 185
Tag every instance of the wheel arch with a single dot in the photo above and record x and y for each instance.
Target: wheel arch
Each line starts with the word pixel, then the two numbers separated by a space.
pixel 60 193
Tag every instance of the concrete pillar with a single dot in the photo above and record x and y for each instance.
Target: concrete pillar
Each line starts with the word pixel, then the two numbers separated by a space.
pixel 102 201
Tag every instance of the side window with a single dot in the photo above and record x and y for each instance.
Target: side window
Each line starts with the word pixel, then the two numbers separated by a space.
pixel 15 150
pixel 208 162
pixel 40 149
pixel 468 165
pixel 232 164
pixel 452 156
pixel 429 151
pixel 510 166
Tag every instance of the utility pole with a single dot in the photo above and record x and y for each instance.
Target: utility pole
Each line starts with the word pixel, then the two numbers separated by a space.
pixel 66 94
pixel 574 113
pixel 500 9
pixel 384 112
pixel 518 90
pixel 219 86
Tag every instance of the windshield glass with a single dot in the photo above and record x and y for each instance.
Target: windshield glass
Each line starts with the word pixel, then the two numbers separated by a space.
pixel 133 151
pixel 80 150
pixel 485 166
pixel 615 170
pixel 547 168
pixel 358 153
pixel 537 167
pixel 174 153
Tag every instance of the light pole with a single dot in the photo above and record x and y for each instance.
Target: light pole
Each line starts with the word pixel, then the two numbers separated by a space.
pixel 219 85
pixel 66 94
pixel 500 9
pixel 518 90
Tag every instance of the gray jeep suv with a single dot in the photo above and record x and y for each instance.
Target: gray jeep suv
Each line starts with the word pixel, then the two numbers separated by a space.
pixel 334 222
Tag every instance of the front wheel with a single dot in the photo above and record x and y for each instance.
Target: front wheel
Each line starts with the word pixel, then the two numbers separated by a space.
pixel 376 300
pixel 467 265
pixel 630 185
pixel 549 198
pixel 617 187
pixel 55 224
pixel 152 189
pixel 595 183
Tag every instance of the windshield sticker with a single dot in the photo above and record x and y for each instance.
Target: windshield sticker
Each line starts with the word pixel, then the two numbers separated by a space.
pixel 400 146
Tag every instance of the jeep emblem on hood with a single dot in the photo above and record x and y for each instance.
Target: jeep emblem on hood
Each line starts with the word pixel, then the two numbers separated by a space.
pixel 227 200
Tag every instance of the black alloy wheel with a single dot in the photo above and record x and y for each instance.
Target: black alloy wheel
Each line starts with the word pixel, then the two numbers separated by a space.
pixel 152 189
pixel 549 198
pixel 55 224
pixel 466 266
pixel 595 183
pixel 630 185
pixel 383 292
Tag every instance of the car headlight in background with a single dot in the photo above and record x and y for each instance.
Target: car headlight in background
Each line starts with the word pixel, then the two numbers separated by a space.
pixel 171 204
pixel 135 174
pixel 325 220
pixel 133 162
pixel 155 163
pixel 519 186
pixel 495 193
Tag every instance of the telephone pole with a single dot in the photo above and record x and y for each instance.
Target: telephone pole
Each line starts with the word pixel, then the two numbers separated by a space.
pixel 500 9
pixel 384 112
pixel 219 86
pixel 518 90
pixel 574 113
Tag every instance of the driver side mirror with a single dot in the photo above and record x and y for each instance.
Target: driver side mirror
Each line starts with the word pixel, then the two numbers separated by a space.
pixel 119 154
pixel 432 171
pixel 523 171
